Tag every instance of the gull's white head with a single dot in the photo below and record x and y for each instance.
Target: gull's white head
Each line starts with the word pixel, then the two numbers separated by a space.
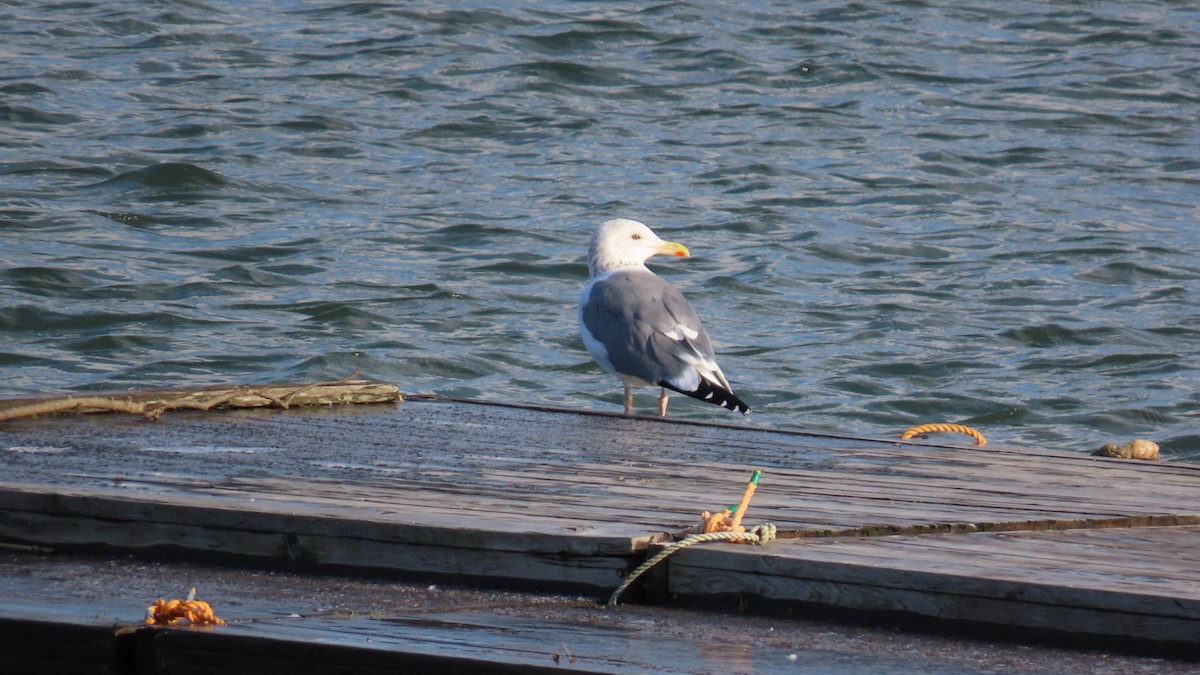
pixel 626 243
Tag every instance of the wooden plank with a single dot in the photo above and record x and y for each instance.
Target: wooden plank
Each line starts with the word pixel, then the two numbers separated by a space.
pixel 1137 587
pixel 450 642
pixel 443 459
pixel 65 644
pixel 295 534
pixel 297 624
pixel 77 615
pixel 73 635
pixel 499 495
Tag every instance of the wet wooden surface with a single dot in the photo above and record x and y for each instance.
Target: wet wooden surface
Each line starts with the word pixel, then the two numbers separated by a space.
pixel 509 495
pixel 60 615
pixel 77 614
pixel 1140 582
pixel 518 469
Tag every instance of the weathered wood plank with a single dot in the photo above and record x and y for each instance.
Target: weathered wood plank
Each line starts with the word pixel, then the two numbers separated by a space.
pixel 1045 581
pixel 452 458
pixel 83 614
pixel 447 642
pixel 67 646
pixel 68 634
pixel 502 494
pixel 581 556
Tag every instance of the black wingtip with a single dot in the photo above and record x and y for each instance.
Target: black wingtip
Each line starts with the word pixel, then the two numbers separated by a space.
pixel 709 393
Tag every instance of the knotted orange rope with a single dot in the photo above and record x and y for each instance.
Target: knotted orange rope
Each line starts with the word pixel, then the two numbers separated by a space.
pixel 171 612
pixel 957 428
pixel 730 520
pixel 723 526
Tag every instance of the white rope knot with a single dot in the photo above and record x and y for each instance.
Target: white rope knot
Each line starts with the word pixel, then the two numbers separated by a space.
pixel 765 533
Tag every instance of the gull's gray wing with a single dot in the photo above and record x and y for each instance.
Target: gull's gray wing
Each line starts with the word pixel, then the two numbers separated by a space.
pixel 651 332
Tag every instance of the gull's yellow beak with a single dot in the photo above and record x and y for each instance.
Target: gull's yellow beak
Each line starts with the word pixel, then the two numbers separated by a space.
pixel 671 248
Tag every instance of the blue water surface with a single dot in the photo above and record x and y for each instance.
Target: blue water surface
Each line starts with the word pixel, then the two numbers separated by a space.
pixel 900 212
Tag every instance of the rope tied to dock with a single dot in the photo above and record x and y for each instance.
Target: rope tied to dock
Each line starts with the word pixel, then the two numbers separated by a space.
pixel 955 428
pixel 760 535
pixel 723 526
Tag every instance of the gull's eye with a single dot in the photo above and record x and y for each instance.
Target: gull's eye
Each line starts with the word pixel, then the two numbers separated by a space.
pixel 637 236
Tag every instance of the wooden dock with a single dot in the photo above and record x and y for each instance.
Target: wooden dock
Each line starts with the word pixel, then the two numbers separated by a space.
pixel 509 496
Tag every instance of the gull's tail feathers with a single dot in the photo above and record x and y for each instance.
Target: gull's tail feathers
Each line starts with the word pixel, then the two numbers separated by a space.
pixel 713 393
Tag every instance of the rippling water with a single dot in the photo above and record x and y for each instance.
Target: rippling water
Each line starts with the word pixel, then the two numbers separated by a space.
pixel 900 212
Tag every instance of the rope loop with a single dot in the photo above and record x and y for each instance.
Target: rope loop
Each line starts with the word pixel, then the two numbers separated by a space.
pixel 759 534
pixel 765 533
pixel 956 428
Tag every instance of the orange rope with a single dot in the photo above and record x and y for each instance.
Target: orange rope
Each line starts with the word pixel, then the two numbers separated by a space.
pixel 170 612
pixel 723 526
pixel 956 428
pixel 730 520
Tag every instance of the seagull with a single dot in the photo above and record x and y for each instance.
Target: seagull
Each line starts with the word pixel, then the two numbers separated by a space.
pixel 640 327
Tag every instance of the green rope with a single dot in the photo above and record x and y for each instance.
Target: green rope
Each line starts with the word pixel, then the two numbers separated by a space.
pixel 759 535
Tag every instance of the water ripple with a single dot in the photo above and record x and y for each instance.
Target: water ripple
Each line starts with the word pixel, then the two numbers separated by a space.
pixel 911 213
